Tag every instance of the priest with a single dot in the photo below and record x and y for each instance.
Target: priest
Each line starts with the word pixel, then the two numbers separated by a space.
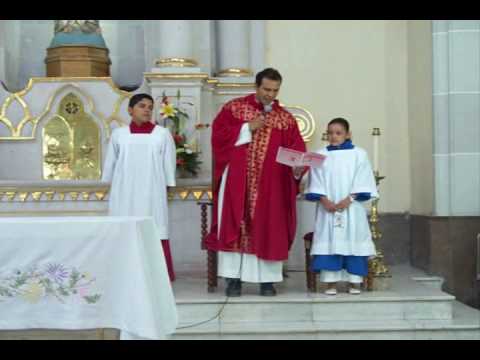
pixel 254 211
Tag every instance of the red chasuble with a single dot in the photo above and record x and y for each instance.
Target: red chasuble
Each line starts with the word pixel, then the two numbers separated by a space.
pixel 147 128
pixel 259 205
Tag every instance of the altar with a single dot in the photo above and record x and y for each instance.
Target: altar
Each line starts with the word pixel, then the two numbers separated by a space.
pixel 75 273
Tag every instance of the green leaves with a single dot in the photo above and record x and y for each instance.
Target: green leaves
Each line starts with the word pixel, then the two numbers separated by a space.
pixel 92 299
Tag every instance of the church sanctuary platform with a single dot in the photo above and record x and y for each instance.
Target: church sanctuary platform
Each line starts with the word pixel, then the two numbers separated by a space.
pixel 414 307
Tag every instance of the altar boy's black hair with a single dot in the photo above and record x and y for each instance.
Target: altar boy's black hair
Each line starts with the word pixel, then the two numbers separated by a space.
pixel 340 121
pixel 135 99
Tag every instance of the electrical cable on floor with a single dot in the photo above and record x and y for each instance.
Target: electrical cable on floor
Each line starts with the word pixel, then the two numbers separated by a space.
pixel 221 309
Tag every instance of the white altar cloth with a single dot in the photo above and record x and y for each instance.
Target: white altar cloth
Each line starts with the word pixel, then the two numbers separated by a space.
pixel 85 273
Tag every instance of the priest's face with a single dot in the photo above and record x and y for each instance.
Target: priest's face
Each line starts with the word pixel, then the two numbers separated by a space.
pixel 142 111
pixel 268 91
pixel 337 134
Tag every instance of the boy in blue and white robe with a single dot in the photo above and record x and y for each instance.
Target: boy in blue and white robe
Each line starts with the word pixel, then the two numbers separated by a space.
pixel 342 241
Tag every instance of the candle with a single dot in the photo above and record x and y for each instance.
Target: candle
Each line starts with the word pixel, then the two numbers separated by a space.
pixel 376 134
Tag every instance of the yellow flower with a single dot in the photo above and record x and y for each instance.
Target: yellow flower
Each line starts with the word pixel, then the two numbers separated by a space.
pixel 168 110
pixel 87 276
pixel 33 292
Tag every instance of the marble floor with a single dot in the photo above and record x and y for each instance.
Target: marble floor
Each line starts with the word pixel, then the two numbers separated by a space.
pixel 412 307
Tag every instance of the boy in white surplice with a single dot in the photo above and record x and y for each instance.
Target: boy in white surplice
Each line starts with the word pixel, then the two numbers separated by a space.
pixel 342 241
pixel 140 164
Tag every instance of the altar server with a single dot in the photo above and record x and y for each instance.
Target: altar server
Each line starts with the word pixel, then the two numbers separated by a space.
pixel 140 164
pixel 342 241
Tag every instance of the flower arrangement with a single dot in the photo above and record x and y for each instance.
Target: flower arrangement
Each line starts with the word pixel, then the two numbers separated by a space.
pixel 187 158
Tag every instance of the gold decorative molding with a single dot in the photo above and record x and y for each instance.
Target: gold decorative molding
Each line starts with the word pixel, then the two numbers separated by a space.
pixel 89 193
pixel 235 85
pixel 55 213
pixel 106 79
pixel 28 118
pixel 176 62
pixel 54 193
pixel 236 72
pixel 306 121
pixel 176 76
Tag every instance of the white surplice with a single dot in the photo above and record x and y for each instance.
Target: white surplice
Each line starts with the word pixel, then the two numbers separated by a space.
pixel 140 167
pixel 344 172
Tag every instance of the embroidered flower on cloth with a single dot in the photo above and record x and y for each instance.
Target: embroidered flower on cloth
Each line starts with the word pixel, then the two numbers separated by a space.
pixel 50 281
pixel 57 272
pixel 33 292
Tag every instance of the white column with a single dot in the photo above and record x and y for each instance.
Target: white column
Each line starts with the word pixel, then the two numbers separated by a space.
pixel 233 44
pixel 2 50
pixel 175 43
pixel 456 113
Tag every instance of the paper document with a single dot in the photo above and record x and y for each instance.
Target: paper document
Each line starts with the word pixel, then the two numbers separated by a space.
pixel 296 158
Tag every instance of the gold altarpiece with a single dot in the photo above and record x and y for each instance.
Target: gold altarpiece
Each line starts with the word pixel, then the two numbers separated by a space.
pixel 71 143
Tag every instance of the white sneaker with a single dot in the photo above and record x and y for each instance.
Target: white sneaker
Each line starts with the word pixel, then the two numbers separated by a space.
pixel 354 291
pixel 332 291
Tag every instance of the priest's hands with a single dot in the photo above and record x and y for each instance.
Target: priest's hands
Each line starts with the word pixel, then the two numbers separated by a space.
pixel 257 123
pixel 327 204
pixel 345 203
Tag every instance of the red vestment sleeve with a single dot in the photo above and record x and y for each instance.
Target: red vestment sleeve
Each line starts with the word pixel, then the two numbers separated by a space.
pixel 225 132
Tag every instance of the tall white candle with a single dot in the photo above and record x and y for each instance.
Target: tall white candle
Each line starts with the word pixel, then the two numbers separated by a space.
pixel 376 138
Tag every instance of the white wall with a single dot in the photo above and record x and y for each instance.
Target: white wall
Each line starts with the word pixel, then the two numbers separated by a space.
pixel 420 115
pixel 355 69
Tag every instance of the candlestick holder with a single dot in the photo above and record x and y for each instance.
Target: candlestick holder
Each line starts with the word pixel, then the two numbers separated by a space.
pixel 378 272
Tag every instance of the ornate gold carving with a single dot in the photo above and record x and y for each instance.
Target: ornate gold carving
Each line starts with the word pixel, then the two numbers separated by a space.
pixel 84 193
pixel 15 132
pixel 235 85
pixel 23 196
pixel 36 195
pixel 50 195
pixel 197 194
pixel 306 121
pixel 54 213
pixel 183 194
pixel 100 195
pixel 176 62
pixel 27 116
pixel 71 143
pixel 234 72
